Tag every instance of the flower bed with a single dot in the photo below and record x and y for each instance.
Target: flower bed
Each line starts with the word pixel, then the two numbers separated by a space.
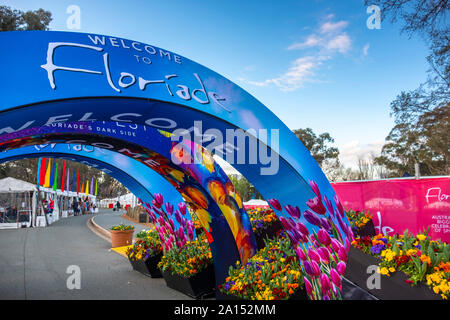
pixel 418 259
pixel 121 235
pixel 146 253
pixel 189 269
pixel 272 274
pixel 265 225
pixel 361 223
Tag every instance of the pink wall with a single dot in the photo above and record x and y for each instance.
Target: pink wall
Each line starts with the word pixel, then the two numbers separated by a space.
pixel 399 204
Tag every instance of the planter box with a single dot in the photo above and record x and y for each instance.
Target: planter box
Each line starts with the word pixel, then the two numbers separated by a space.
pixel 270 232
pixel 120 238
pixel 197 286
pixel 300 294
pixel 148 267
pixel 393 287
pixel 367 230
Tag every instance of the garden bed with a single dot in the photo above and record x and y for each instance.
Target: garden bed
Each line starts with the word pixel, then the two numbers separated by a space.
pixel 196 286
pixel 393 287
pixel 148 267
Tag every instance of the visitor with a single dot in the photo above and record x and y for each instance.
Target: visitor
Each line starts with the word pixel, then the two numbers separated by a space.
pixel 118 205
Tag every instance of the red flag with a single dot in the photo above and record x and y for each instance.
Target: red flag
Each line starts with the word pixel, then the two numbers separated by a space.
pixel 63 175
pixel 78 181
pixel 42 173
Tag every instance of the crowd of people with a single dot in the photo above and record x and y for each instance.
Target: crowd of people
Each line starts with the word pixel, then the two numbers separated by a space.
pixel 79 207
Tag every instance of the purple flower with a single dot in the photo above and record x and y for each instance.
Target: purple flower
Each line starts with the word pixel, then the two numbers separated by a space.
pixel 341 266
pixel 285 224
pixel 316 268
pixel 376 249
pixel 325 282
pixel 325 224
pixel 335 277
pixel 336 245
pixel 177 216
pixel 302 228
pixel 328 204
pixel 312 218
pixel 308 268
pixel 315 188
pixel 339 206
pixel 182 208
pixel 313 255
pixel 275 204
pixel 169 208
pixel 294 212
pixel 316 205
pixel 158 200
pixel 342 253
pixel 300 253
pixel 324 254
pixel 308 286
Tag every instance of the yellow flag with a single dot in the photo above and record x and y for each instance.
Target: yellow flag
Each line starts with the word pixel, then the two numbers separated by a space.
pixel 87 187
pixel 47 174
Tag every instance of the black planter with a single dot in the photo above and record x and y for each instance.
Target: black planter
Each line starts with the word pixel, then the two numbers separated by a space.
pixel 197 286
pixel 269 232
pixel 367 230
pixel 300 294
pixel 148 267
pixel 393 287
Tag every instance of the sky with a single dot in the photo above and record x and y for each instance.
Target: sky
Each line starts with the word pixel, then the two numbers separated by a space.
pixel 314 63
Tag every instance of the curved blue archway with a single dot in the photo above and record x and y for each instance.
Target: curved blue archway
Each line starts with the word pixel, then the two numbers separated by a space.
pixel 138 178
pixel 56 78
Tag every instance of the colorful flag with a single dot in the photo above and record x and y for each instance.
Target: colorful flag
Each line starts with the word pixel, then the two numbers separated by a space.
pixel 52 175
pixel 42 172
pixel 63 176
pixel 47 174
pixel 73 180
pixel 96 185
pixel 55 181
pixel 68 180
pixel 87 186
pixel 92 186
pixel 38 172
pixel 82 185
pixel 78 181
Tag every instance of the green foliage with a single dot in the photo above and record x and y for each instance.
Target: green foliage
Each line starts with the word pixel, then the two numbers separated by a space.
pixel 12 20
pixel 319 146
pixel 122 227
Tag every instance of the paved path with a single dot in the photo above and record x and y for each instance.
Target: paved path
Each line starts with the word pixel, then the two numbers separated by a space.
pixel 33 264
pixel 108 218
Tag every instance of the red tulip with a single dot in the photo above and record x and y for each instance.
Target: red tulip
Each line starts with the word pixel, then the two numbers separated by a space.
pixel 275 204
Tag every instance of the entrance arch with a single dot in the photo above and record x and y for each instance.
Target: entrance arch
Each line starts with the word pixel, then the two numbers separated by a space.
pixel 56 78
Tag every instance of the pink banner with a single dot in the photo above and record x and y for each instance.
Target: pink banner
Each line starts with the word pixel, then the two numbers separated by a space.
pixel 399 204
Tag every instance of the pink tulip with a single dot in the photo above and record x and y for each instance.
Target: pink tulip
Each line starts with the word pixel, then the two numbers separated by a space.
pixel 313 255
pixel 335 277
pixel 302 228
pixel 308 286
pixel 339 207
pixel 275 204
pixel 301 254
pixel 341 266
pixel 325 283
pixel 324 237
pixel 316 205
pixel 342 254
pixel 315 188
pixel 324 255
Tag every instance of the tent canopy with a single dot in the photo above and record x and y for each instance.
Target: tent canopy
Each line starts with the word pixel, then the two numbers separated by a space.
pixel 9 184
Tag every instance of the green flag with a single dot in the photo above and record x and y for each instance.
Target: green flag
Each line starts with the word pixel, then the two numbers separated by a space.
pixel 96 184
pixel 56 177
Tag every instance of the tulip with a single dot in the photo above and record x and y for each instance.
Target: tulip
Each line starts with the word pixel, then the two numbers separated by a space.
pixel 295 236
pixel 308 268
pixel 177 216
pixel 302 228
pixel 342 254
pixel 315 188
pixel 326 297
pixel 312 218
pixel 157 211
pixel 294 212
pixel 324 237
pixel 325 283
pixel 181 233
pixel 324 254
pixel 301 254
pixel 335 277
pixel 316 205
pixel 336 245
pixel 339 206
pixel 172 224
pixel 316 268
pixel 275 204
pixel 308 286
pixel 328 204
pixel 285 223
pixel 347 245
pixel 182 208
pixel 169 208
pixel 325 224
pixel 341 266
pixel 313 255
pixel 342 224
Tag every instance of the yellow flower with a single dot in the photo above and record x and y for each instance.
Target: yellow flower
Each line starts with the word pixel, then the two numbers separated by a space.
pixel 391 269
pixel 421 237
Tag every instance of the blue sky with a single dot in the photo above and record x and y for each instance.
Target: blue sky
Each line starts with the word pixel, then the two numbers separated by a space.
pixel 313 63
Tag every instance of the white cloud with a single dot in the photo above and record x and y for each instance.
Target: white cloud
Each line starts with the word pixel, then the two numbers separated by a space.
pixel 341 43
pixel 352 151
pixel 301 71
pixel 366 49
pixel 333 26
